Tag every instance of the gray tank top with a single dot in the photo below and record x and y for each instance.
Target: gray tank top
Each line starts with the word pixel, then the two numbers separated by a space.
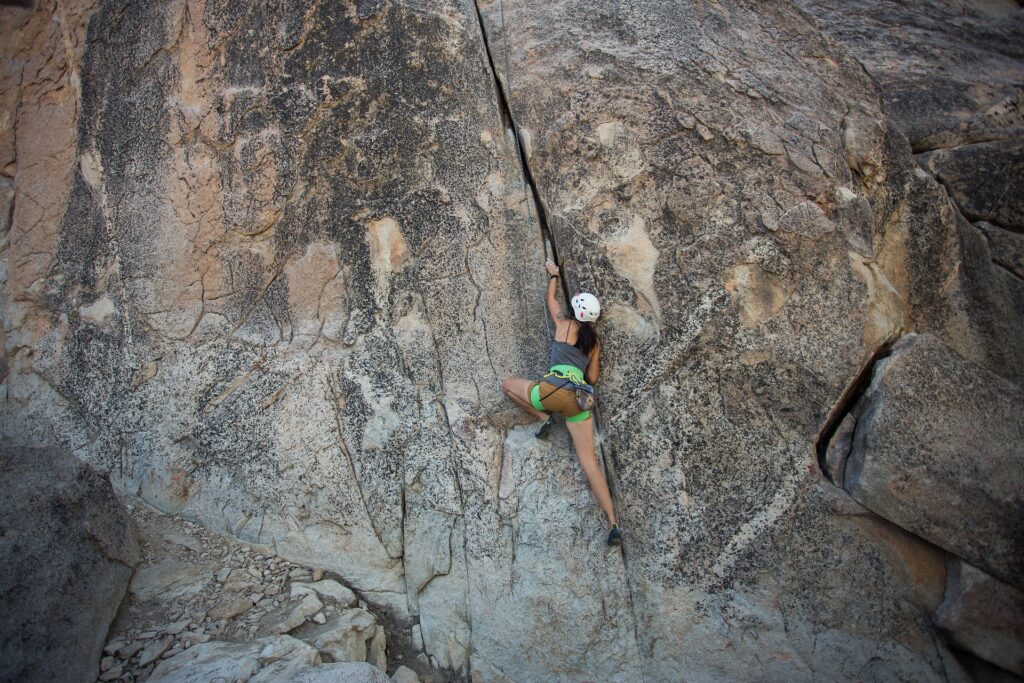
pixel 563 353
pixel 567 354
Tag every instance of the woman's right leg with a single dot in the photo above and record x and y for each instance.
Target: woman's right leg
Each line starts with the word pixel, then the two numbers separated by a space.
pixel 518 389
pixel 583 440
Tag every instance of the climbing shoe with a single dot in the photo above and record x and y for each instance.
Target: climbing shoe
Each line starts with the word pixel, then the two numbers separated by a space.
pixel 615 536
pixel 543 431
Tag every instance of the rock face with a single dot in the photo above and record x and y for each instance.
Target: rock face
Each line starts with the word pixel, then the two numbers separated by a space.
pixel 986 180
pixel 67 548
pixel 938 448
pixel 950 71
pixel 275 260
pixel 985 616
pixel 950 75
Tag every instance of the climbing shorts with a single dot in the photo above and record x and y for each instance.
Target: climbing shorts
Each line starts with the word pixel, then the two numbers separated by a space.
pixel 552 399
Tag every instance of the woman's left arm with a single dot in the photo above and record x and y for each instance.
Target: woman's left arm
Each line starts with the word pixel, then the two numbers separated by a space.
pixel 593 367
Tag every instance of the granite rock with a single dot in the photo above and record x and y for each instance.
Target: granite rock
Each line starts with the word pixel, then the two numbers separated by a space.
pixel 950 71
pixel 342 672
pixel 705 172
pixel 938 449
pixel 234 661
pixel 326 588
pixel 67 549
pixel 285 253
pixel 986 180
pixel 346 638
pixel 985 616
pixel 949 74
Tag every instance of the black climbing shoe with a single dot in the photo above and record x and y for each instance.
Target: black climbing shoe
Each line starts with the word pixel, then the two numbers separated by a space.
pixel 615 536
pixel 543 431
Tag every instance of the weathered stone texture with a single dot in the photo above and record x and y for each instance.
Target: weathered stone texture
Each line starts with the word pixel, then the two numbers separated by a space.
pixel 289 280
pixel 950 75
pixel 274 260
pixel 67 548
pixel 950 72
pixel 721 156
pixel 726 179
pixel 986 180
pixel 985 616
pixel 938 448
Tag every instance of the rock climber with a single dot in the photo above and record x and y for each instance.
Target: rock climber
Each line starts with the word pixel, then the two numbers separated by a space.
pixel 575 353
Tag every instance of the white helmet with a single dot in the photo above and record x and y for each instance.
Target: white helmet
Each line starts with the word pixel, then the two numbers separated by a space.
pixel 586 307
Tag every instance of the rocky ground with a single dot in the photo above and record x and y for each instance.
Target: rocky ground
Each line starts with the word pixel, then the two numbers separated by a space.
pixel 194 587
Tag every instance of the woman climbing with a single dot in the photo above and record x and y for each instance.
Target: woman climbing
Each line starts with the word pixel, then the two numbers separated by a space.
pixel 575 354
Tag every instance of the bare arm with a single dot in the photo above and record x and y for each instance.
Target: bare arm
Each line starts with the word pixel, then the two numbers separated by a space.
pixel 554 308
pixel 593 373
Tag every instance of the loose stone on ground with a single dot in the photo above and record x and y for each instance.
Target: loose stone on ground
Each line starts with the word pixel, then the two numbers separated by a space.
pixel 200 606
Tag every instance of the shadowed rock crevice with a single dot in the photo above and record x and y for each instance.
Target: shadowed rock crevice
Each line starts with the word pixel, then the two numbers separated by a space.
pixel 504 89
pixel 926 417
pixel 502 81
pixel 835 439
pixel 984 180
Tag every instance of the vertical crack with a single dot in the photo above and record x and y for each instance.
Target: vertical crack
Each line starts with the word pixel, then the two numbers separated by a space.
pixel 508 119
pixel 550 245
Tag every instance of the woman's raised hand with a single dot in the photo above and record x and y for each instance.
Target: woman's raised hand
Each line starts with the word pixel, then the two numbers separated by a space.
pixel 551 267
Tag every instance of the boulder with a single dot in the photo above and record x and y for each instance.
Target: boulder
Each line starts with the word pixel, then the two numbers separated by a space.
pixel 346 637
pixel 345 672
pixel 327 588
pixel 294 615
pixel 231 607
pixel 169 578
pixel 154 650
pixel 983 616
pixel 377 652
pixel 236 661
pixel 938 449
pixel 67 549
pixel 404 674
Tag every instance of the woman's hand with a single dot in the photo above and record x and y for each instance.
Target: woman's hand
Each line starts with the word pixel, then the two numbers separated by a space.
pixel 551 267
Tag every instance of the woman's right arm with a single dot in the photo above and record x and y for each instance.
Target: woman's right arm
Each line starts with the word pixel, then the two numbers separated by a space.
pixel 554 308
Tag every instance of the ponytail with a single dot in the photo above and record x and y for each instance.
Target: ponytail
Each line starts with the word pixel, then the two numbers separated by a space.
pixel 587 338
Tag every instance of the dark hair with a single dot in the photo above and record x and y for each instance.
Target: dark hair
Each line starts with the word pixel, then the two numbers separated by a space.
pixel 587 338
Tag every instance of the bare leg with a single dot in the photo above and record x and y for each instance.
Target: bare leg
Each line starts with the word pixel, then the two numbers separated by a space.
pixel 583 440
pixel 518 389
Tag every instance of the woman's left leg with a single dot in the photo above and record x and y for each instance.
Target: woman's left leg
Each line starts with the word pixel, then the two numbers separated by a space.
pixel 518 389
pixel 583 440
